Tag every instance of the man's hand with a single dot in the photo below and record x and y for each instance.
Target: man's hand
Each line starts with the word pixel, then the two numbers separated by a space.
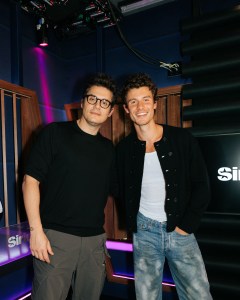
pixel 40 245
pixel 180 231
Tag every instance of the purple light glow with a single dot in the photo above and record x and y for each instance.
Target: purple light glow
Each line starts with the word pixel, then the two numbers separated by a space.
pixel 123 276
pixel 46 98
pixel 14 243
pixel 168 284
pixel 120 246
pixel 25 296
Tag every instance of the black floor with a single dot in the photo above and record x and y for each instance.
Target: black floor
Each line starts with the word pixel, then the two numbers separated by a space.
pixel 166 297
pixel 110 298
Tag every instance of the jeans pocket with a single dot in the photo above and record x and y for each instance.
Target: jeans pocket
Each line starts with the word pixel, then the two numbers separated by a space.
pixel 183 245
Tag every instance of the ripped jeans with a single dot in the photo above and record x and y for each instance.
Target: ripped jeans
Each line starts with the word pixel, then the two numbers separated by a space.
pixel 152 244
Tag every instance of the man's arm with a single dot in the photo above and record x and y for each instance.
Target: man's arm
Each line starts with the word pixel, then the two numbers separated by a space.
pixel 39 244
pixel 199 190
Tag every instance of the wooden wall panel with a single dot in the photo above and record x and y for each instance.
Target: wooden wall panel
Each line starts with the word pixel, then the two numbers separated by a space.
pixel 118 124
pixel 73 110
pixel 187 124
pixel 30 122
pixel 161 110
pixel 109 219
pixel 173 110
pixel 169 106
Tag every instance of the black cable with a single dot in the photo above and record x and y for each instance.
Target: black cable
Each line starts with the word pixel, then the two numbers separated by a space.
pixel 144 57
pixel 136 52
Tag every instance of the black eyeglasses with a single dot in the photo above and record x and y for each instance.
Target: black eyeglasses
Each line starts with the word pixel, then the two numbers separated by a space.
pixel 104 103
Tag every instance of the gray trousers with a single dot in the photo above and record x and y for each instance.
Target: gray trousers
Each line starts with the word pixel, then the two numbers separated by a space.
pixel 77 261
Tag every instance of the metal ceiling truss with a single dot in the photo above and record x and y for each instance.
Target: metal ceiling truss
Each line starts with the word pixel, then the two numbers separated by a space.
pixel 70 17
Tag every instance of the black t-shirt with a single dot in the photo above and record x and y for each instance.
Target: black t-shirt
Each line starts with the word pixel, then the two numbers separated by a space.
pixel 74 170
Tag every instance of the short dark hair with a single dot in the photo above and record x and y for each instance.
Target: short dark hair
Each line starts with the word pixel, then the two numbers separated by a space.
pixel 138 80
pixel 104 80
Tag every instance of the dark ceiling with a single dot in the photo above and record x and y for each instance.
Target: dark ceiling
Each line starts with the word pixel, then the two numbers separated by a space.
pixel 69 18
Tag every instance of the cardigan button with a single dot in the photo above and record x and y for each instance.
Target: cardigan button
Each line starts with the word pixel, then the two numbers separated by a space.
pixel 170 153
pixel 175 199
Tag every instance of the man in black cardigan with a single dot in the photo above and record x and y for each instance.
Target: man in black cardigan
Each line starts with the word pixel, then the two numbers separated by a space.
pixel 164 184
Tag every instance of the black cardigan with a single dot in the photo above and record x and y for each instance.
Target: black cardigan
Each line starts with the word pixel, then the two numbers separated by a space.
pixel 187 186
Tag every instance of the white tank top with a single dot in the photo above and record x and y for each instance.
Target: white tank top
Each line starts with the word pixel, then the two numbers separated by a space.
pixel 153 191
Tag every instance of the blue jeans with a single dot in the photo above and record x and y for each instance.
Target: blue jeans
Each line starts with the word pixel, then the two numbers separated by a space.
pixel 152 243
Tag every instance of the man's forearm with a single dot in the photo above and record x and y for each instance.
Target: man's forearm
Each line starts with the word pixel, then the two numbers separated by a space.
pixel 31 196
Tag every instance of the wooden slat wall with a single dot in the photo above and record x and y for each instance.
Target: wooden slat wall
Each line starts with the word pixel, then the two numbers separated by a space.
pixel 187 124
pixel 4 159
pixel 169 106
pixel 30 122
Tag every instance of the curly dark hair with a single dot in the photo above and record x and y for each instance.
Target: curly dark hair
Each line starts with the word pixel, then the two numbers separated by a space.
pixel 104 80
pixel 138 80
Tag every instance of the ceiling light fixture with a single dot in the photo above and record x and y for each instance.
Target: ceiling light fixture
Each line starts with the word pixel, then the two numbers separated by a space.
pixel 128 7
pixel 42 33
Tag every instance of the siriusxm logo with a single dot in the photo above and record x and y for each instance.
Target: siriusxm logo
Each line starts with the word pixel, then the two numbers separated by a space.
pixel 17 240
pixel 226 174
pixel 14 241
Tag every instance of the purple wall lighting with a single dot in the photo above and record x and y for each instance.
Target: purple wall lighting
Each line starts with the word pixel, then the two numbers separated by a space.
pixel 120 246
pixel 25 296
pixel 46 98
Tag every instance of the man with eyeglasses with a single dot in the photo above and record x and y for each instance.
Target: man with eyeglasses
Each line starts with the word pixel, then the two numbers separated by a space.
pixel 65 189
